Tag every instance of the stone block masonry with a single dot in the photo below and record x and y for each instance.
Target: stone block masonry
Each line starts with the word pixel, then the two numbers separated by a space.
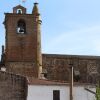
pixel 86 68
pixel 12 87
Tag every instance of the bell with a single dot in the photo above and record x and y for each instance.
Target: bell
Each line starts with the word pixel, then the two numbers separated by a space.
pixel 19 11
pixel 21 30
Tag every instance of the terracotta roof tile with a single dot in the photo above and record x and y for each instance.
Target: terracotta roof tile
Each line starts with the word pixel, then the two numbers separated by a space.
pixel 34 81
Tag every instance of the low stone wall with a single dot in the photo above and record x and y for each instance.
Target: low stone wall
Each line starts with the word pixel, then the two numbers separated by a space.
pixel 12 87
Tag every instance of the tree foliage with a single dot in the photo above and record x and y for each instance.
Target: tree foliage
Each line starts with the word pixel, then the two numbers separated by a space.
pixel 97 93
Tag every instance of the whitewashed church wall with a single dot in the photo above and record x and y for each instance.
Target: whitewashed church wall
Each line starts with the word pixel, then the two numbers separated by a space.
pixel 45 92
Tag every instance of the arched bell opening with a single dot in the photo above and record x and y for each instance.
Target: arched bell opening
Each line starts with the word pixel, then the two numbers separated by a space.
pixel 19 11
pixel 21 27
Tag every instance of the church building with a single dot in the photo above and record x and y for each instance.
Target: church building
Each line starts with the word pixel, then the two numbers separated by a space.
pixel 22 52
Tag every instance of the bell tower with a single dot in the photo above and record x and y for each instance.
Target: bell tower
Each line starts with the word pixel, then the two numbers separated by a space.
pixel 23 42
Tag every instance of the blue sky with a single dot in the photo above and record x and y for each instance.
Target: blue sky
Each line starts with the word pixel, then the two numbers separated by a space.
pixel 69 26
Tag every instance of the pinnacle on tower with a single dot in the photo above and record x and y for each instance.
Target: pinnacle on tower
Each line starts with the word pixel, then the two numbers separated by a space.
pixel 35 9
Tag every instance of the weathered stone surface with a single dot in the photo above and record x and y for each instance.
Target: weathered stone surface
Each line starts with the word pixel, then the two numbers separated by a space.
pixel 22 68
pixel 23 49
pixel 12 87
pixel 86 68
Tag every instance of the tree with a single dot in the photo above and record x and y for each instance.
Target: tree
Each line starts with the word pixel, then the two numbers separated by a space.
pixel 98 93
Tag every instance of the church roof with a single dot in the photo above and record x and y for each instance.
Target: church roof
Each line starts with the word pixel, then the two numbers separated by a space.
pixel 72 56
pixel 35 81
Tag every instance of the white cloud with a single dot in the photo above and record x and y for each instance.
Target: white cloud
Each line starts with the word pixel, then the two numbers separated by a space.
pixel 84 40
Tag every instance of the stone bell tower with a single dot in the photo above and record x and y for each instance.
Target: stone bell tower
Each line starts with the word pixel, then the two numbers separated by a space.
pixel 23 42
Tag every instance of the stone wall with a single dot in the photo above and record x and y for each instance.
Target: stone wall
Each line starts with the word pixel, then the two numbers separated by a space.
pixel 12 87
pixel 22 68
pixel 86 68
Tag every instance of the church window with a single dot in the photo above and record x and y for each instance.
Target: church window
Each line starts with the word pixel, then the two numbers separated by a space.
pixel 56 95
pixel 21 27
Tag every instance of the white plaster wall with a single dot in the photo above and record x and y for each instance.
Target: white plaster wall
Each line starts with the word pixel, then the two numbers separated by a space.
pixel 79 93
pixel 41 92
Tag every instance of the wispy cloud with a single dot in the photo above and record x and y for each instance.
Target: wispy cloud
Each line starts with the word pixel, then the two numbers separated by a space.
pixel 84 40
